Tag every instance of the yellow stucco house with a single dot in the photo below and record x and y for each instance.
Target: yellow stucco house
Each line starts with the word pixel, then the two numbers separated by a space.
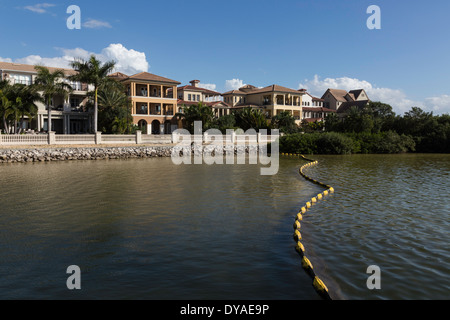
pixel 153 99
pixel 271 100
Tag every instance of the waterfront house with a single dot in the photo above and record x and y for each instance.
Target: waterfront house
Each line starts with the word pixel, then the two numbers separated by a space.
pixel 193 94
pixel 69 115
pixel 313 108
pixel 342 101
pixel 271 100
pixel 153 99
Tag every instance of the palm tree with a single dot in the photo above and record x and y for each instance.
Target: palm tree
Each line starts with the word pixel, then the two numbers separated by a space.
pixel 29 96
pixel 197 112
pixel 95 73
pixel 51 83
pixel 5 107
pixel 114 108
pixel 251 118
pixel 285 122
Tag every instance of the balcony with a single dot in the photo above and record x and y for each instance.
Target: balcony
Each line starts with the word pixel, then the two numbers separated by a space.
pixel 25 82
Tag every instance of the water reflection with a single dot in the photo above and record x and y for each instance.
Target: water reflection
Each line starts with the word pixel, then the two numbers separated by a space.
pixel 146 229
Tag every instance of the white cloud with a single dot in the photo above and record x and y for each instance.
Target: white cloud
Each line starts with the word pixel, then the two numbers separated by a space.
pixel 128 61
pixel 209 86
pixel 96 24
pixel 39 8
pixel 394 97
pixel 318 87
pixel 439 104
pixel 234 84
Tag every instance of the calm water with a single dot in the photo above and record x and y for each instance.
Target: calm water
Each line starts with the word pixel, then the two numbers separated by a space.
pixel 147 229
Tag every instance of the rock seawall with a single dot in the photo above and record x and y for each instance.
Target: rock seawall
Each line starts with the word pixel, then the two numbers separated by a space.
pixel 99 153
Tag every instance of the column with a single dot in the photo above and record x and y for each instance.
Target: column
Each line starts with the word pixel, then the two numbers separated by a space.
pixel 51 138
pixel 68 124
pixel 98 138
pixel 138 137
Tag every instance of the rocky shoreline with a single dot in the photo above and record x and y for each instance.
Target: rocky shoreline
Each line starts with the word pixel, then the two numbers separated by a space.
pixel 101 153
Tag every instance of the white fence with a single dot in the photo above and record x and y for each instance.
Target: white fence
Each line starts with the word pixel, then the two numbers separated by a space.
pixel 23 139
pixel 138 138
pixel 74 139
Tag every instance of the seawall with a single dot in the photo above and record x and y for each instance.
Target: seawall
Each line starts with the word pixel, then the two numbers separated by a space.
pixel 101 153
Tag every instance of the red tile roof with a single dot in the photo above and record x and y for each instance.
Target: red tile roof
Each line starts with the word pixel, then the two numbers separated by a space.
pixel 145 76
pixel 192 88
pixel 317 109
pixel 9 66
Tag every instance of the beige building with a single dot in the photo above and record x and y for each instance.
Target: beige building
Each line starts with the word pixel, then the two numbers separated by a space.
pixel 153 99
pixel 69 115
pixel 313 108
pixel 272 100
pixel 342 101
pixel 193 94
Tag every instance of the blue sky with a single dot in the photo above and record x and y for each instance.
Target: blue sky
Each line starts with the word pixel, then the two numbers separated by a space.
pixel 314 44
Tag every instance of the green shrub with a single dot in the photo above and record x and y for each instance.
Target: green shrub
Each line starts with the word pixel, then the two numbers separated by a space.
pixel 346 143
pixel 334 143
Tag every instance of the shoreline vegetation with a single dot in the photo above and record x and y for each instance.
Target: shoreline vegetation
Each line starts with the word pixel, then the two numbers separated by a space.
pixel 372 130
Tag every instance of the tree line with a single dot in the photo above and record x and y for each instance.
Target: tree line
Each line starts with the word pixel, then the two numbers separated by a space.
pixel 373 129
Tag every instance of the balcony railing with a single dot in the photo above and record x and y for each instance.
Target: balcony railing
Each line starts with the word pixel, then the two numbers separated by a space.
pixel 25 82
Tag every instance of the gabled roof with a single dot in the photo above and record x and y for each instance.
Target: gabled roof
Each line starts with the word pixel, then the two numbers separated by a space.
pixel 351 97
pixel 145 76
pixel 10 66
pixel 356 93
pixel 338 94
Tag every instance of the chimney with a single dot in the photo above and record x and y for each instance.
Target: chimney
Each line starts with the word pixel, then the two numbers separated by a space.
pixel 195 83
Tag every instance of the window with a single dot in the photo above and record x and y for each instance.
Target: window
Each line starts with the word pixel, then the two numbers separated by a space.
pixel 198 97
pixel 75 85
pixel 22 79
pixel 189 97
pixel 74 102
